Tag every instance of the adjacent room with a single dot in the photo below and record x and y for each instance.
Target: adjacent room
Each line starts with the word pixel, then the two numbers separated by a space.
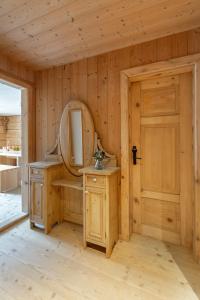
pixel 10 154
pixel 99 150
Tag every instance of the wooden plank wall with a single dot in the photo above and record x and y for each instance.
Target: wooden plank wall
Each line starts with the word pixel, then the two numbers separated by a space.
pixel 2 134
pixel 16 70
pixel 96 81
pixel 13 134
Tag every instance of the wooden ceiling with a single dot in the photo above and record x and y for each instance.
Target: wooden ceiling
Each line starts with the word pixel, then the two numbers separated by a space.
pixel 43 33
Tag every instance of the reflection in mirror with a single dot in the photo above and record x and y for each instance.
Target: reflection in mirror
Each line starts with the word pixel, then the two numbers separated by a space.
pixel 76 137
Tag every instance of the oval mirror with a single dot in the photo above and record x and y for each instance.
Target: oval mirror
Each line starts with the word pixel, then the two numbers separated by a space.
pixel 76 137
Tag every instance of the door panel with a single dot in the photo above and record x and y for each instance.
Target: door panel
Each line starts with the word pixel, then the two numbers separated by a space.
pixel 162 133
pixel 161 214
pixel 37 200
pixel 160 153
pixel 160 96
pixel 160 82
pixel 159 102
pixel 95 210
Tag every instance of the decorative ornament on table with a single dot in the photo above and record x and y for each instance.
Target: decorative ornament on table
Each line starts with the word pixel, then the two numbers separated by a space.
pixel 99 156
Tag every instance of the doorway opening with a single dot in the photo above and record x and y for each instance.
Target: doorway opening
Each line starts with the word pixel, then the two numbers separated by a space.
pixel 11 131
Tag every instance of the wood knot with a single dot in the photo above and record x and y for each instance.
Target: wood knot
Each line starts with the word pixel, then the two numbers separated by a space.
pixel 158 254
pixel 169 220
pixel 136 200
pixel 137 104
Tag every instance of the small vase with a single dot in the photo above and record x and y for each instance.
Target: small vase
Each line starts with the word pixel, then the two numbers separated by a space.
pixel 98 165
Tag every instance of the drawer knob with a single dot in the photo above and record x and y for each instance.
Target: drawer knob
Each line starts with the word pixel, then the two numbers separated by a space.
pixel 94 179
pixel 86 192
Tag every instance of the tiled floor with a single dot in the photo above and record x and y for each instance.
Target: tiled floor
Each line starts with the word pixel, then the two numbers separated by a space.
pixel 10 206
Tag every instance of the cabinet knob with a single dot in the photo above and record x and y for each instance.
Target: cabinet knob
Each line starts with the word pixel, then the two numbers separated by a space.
pixel 41 184
pixel 94 179
pixel 86 192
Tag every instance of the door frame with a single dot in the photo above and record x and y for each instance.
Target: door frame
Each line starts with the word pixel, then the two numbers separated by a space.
pixel 28 122
pixel 189 63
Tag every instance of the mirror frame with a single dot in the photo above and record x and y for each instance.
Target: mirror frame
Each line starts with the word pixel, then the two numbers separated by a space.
pixel 88 139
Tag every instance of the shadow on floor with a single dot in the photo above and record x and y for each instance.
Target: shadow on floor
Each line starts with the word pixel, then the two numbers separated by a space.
pixel 186 263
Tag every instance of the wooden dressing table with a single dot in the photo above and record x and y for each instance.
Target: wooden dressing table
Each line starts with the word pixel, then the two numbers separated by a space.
pixel 44 199
pixel 67 187
pixel 100 207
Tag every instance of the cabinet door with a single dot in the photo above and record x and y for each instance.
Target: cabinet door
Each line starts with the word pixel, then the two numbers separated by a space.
pixel 95 215
pixel 37 202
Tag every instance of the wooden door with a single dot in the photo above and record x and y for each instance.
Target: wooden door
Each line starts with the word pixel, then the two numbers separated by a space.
pixel 95 215
pixel 37 202
pixel 162 181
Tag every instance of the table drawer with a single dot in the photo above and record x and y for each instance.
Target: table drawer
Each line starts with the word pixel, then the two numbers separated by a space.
pixel 95 180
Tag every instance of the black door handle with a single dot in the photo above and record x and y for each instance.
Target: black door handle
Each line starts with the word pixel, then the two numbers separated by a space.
pixel 134 151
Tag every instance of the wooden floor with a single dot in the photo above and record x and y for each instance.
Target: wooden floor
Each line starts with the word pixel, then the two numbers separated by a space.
pixel 187 265
pixel 36 266
pixel 10 206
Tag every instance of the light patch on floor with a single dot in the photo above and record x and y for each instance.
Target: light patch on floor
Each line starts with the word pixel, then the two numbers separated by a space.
pixel 56 266
pixel 10 206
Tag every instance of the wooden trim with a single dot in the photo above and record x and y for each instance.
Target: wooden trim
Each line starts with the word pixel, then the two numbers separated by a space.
pixel 125 160
pixel 161 196
pixel 15 80
pixel 15 220
pixel 172 66
pixel 196 118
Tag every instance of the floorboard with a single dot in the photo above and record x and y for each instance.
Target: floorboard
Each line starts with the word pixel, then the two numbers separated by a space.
pixel 10 206
pixel 185 261
pixel 56 266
